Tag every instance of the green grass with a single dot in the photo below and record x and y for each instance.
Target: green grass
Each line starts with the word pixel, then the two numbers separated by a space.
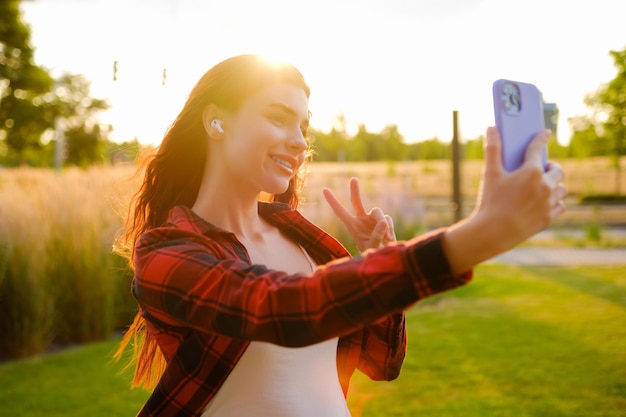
pixel 81 381
pixel 517 342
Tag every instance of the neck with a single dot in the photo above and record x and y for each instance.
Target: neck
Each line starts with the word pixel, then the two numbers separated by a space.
pixel 228 206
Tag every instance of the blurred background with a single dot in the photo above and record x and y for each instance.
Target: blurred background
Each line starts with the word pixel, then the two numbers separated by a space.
pixel 86 86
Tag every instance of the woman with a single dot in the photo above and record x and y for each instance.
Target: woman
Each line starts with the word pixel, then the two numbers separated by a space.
pixel 246 308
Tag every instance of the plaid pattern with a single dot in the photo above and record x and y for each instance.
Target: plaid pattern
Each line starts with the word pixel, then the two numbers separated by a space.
pixel 204 301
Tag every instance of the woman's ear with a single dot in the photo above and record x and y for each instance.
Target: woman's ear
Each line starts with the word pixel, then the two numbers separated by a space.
pixel 212 121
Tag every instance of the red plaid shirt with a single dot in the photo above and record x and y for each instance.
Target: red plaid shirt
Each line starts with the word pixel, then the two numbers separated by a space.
pixel 204 302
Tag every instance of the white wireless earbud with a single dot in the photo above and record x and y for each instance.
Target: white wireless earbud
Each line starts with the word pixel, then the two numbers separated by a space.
pixel 217 125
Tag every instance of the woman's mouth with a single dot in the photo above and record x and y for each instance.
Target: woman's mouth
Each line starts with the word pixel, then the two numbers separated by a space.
pixel 283 162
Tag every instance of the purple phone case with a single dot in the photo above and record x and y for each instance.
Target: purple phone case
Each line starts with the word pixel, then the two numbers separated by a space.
pixel 518 128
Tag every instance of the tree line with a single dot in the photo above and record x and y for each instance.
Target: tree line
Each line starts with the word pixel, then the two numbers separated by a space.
pixel 389 145
pixel 37 110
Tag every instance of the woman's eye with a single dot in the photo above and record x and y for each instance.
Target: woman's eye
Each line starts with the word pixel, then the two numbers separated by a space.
pixel 277 120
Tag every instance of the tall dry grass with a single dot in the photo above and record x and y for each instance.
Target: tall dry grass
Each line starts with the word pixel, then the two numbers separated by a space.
pixel 26 303
pixel 418 193
pixel 430 179
pixel 59 281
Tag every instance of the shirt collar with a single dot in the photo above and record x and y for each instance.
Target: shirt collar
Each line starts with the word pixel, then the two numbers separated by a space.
pixel 321 246
pixel 278 214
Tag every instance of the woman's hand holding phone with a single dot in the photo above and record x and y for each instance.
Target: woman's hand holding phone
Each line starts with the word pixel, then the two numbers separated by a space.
pixel 511 206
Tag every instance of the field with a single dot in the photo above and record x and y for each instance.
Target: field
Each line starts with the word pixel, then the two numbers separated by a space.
pixel 61 287
pixel 529 342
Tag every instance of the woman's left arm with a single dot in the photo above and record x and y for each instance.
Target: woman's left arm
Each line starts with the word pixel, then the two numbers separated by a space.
pixel 384 342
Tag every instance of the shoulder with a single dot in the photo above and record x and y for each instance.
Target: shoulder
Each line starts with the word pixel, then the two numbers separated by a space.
pixel 184 232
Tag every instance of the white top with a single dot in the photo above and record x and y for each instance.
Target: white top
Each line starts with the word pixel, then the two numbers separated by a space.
pixel 275 381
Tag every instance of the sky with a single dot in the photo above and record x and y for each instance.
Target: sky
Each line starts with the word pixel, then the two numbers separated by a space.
pixel 378 62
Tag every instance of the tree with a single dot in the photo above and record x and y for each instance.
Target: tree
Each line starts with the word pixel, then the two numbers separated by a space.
pixel 328 146
pixel 473 148
pixel 585 140
pixel 430 149
pixel 25 103
pixel 84 136
pixel 610 102
pixel 32 102
pixel 365 146
pixel 393 142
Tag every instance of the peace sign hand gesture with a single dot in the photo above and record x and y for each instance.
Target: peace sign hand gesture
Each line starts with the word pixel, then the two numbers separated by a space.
pixel 370 230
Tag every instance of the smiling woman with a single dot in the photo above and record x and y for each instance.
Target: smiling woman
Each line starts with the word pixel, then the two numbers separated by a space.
pixel 245 307
pixel 241 133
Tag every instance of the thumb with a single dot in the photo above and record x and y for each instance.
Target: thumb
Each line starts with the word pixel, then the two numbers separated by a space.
pixel 378 234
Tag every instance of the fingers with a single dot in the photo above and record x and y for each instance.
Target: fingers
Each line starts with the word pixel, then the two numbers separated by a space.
pixel 557 210
pixel 377 214
pixel 355 197
pixel 391 233
pixel 534 151
pixel 384 233
pixel 554 174
pixel 379 235
pixel 371 229
pixel 554 179
pixel 338 208
pixel 493 152
pixel 557 196
pixel 355 200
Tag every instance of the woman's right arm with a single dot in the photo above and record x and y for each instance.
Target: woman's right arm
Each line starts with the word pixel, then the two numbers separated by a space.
pixel 182 280
pixel 511 207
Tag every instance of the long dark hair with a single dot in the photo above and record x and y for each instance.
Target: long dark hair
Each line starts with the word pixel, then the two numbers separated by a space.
pixel 172 174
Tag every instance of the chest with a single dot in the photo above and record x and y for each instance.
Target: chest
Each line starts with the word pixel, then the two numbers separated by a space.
pixel 277 252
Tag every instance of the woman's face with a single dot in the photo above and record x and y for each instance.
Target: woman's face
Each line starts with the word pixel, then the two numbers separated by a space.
pixel 264 141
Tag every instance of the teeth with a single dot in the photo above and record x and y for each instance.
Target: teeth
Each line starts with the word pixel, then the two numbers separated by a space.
pixel 282 162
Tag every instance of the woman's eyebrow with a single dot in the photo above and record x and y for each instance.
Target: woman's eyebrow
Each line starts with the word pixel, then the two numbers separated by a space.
pixel 288 109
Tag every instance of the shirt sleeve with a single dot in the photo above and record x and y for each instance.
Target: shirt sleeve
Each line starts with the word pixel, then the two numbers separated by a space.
pixel 183 279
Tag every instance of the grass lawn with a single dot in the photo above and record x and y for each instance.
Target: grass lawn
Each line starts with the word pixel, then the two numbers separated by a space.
pixel 517 342
pixel 79 381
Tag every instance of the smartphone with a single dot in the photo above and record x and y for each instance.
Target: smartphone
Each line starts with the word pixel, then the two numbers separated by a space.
pixel 518 110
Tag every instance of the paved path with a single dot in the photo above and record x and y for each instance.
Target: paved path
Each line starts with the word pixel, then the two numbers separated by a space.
pixel 562 256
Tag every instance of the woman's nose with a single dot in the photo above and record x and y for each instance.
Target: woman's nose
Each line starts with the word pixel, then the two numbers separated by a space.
pixel 298 142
